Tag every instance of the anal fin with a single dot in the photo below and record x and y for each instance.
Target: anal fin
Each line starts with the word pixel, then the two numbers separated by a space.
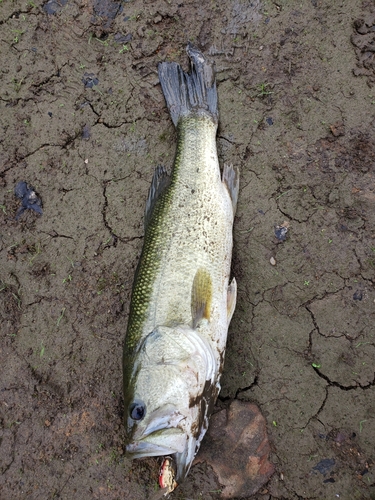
pixel 231 299
pixel 160 181
pixel 201 296
pixel 231 178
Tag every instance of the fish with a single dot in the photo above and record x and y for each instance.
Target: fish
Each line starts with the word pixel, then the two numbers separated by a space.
pixel 182 298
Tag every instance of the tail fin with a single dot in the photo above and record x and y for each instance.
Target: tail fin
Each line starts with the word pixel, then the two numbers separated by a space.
pixel 189 93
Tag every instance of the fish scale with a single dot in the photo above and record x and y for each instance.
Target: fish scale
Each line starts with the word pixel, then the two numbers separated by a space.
pixel 188 230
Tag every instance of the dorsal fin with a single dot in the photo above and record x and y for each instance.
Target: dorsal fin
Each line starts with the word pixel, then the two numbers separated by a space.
pixel 231 299
pixel 231 178
pixel 201 296
pixel 160 181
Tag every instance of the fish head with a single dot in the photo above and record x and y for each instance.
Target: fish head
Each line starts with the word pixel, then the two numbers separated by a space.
pixel 167 395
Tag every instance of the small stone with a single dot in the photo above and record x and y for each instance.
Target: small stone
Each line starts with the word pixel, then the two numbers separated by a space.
pixel 272 261
pixel 86 132
pixel 157 19
pixel 28 197
pixel 337 129
pixel 324 466
pixel 280 231
pixel 89 80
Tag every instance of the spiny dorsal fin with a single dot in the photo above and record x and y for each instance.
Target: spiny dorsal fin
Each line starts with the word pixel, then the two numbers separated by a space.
pixel 201 296
pixel 160 181
pixel 231 178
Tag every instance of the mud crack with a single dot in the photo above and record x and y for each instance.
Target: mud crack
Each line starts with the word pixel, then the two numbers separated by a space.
pixel 341 386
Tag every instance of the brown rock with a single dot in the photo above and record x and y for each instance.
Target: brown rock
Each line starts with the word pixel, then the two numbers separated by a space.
pixel 337 129
pixel 236 447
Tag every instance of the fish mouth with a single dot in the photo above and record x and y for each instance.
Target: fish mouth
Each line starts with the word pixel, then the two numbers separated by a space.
pixel 145 449
pixel 167 441
pixel 173 443
pixel 154 446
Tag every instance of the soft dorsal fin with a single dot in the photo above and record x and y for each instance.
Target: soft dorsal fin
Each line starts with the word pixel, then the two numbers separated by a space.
pixel 160 181
pixel 201 296
pixel 231 178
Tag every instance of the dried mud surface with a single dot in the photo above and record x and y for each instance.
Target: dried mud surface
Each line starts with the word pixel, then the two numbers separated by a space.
pixel 83 120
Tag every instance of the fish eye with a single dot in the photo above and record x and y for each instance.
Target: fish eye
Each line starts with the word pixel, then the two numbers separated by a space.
pixel 137 410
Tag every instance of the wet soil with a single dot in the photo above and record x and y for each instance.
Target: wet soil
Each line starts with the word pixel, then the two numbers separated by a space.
pixel 84 122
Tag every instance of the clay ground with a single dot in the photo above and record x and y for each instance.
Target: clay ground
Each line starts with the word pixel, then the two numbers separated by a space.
pixel 83 120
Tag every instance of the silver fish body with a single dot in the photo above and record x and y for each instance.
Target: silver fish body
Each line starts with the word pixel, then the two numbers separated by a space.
pixel 182 302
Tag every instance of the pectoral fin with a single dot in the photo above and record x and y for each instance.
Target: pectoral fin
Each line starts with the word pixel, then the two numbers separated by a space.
pixel 231 298
pixel 201 296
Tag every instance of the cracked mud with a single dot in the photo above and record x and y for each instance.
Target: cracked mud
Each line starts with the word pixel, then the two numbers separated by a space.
pixel 84 122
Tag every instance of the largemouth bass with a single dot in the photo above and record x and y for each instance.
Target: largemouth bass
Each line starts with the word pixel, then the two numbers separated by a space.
pixel 182 302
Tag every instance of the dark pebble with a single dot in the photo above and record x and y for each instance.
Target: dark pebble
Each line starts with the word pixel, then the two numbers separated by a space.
pixel 120 38
pixel 54 6
pixel 29 198
pixel 86 134
pixel 324 465
pixel 280 233
pixel 89 80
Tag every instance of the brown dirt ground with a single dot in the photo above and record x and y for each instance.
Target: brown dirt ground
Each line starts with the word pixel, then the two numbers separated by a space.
pixel 297 115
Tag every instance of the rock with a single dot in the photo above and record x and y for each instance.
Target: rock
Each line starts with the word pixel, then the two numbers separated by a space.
pixel 236 447
pixel 30 200
pixel 337 129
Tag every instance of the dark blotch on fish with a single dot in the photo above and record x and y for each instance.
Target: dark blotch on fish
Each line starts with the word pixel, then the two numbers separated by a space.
pixel 89 80
pixel 29 198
